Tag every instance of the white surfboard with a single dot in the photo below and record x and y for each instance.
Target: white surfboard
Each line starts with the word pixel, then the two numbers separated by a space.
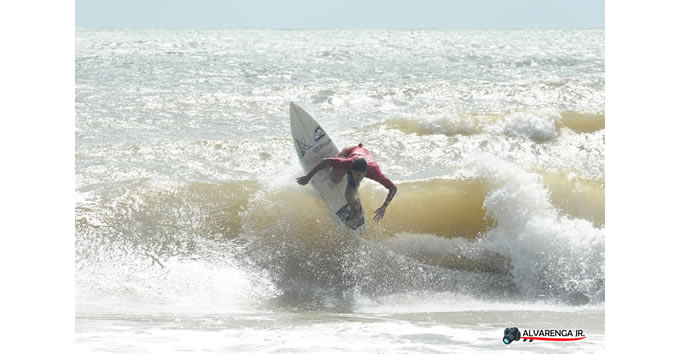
pixel 313 144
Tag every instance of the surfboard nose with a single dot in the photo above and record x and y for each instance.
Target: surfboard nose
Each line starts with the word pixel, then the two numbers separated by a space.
pixel 294 109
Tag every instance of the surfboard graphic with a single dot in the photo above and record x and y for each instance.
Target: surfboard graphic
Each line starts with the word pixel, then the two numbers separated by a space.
pixel 312 144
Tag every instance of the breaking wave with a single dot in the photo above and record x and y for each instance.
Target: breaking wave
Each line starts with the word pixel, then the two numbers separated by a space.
pixel 539 127
pixel 507 234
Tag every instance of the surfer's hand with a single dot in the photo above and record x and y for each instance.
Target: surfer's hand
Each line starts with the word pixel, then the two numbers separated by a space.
pixel 379 213
pixel 303 180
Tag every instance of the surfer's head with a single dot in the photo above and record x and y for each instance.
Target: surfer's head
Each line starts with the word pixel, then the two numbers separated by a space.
pixel 359 164
pixel 358 169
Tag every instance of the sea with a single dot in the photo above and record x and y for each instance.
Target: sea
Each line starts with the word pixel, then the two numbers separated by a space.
pixel 193 236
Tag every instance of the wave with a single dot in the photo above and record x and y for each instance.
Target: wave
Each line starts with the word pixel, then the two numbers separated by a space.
pixel 156 212
pixel 507 234
pixel 540 127
pixel 576 197
pixel 582 122
pixel 550 254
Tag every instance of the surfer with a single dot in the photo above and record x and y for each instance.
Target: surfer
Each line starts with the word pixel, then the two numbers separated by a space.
pixel 357 163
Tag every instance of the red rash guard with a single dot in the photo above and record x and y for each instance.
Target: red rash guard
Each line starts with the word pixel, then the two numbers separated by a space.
pixel 373 170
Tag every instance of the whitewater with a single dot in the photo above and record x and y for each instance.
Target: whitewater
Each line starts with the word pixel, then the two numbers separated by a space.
pixel 192 235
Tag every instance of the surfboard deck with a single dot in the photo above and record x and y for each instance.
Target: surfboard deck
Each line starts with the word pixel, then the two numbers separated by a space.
pixel 313 144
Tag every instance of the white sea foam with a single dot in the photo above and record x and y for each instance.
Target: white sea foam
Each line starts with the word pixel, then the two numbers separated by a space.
pixel 535 126
pixel 549 253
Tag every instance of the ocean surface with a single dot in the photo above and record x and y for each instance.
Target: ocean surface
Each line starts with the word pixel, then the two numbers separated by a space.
pixel 192 235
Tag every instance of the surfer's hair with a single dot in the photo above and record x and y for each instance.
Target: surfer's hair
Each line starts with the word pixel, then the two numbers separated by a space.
pixel 359 164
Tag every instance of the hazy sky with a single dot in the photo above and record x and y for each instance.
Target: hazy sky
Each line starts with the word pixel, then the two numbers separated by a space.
pixel 340 13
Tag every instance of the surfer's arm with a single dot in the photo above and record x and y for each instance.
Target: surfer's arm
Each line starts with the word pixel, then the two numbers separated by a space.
pixel 320 166
pixel 381 211
pixel 378 176
pixel 390 195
